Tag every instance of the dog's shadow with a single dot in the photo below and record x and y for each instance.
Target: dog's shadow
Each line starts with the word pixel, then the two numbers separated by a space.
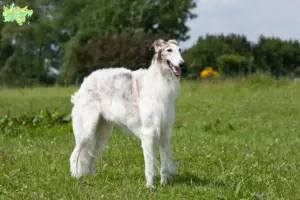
pixel 187 178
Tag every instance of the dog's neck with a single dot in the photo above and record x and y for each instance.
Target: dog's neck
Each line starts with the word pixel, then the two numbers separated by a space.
pixel 169 83
pixel 156 69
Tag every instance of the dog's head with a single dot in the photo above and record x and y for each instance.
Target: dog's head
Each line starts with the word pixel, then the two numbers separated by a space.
pixel 169 54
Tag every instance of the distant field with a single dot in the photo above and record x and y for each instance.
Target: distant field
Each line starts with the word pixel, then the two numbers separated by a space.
pixel 234 140
pixel 21 101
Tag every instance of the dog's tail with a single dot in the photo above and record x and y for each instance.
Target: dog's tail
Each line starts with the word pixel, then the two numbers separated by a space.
pixel 81 161
pixel 74 98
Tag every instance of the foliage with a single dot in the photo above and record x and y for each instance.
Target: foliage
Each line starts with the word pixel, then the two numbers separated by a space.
pixel 279 57
pixel 29 52
pixel 124 21
pixel 207 50
pixel 233 65
pixel 26 51
pixel 113 51
pixel 44 118
pixel 270 55
pixel 296 72
pixel 114 17
pixel 76 37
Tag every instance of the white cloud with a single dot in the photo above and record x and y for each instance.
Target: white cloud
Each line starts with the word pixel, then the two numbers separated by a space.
pixel 249 17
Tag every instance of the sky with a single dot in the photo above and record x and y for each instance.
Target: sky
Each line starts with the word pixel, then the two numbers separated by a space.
pixel 280 18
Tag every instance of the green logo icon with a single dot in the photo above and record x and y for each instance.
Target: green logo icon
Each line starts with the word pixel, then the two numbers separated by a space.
pixel 17 14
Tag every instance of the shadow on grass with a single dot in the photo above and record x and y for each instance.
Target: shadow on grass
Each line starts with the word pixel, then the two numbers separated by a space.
pixel 187 178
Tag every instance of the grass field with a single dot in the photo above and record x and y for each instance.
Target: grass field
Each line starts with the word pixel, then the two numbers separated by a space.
pixel 234 140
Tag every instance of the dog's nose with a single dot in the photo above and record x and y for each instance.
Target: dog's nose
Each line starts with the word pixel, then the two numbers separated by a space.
pixel 182 65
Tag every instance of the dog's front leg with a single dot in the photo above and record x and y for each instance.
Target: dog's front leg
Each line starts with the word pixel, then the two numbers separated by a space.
pixel 168 166
pixel 163 151
pixel 149 158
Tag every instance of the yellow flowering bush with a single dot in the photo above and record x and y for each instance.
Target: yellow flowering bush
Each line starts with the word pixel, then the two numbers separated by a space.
pixel 208 72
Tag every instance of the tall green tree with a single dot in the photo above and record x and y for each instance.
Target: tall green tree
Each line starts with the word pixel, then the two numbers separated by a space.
pixel 279 57
pixel 94 19
pixel 58 27
pixel 208 49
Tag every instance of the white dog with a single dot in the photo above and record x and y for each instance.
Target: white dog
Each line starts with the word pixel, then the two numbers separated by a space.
pixel 142 101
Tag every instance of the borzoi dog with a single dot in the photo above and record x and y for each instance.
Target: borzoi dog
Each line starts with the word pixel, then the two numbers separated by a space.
pixel 142 101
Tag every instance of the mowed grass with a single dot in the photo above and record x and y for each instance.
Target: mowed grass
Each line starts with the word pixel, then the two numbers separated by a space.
pixel 234 140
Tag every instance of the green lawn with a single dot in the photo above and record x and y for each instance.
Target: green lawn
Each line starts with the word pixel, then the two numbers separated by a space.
pixel 234 140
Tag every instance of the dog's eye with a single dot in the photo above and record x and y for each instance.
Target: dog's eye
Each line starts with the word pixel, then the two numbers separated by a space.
pixel 169 50
pixel 179 50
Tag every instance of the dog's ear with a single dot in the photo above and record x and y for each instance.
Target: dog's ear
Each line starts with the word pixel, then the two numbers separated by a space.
pixel 158 45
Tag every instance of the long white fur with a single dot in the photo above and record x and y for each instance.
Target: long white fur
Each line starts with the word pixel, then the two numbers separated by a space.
pixel 142 101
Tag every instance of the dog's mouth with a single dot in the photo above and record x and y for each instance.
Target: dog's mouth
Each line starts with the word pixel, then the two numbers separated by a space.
pixel 176 70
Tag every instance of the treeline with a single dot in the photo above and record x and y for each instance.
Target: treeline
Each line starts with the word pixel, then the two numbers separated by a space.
pixel 234 55
pixel 67 40
pixel 130 50
pixel 231 55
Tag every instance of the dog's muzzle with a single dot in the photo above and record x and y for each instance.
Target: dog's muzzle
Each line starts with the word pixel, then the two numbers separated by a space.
pixel 182 66
pixel 175 69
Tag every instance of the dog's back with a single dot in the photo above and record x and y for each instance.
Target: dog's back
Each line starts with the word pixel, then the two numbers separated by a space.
pixel 113 92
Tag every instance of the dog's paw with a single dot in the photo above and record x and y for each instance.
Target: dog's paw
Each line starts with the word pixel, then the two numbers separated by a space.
pixel 163 182
pixel 151 187
pixel 173 166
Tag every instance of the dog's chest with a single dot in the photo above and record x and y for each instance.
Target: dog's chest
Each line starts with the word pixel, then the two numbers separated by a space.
pixel 157 105
pixel 157 114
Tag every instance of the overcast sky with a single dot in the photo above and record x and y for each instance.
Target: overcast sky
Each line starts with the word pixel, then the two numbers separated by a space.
pixel 249 17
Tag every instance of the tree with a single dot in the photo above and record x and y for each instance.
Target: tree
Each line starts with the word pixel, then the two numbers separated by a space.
pixel 113 18
pixel 276 56
pixel 59 27
pixel 208 49
pixel 25 48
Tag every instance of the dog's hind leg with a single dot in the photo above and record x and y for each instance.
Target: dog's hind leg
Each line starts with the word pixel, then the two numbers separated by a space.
pixel 104 130
pixel 85 125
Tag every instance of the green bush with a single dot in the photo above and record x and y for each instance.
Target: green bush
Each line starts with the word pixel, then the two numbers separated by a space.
pixel 130 50
pixel 233 65
pixel 12 125
pixel 207 49
pixel 296 73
